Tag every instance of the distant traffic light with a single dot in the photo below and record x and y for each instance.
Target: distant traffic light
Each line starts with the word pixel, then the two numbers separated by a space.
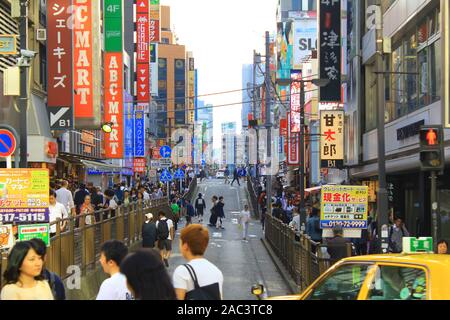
pixel 432 157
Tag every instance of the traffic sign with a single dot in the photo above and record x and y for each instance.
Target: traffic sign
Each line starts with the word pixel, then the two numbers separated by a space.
pixel 165 176
pixel 61 118
pixel 179 174
pixel 416 245
pixel 7 143
pixel 165 152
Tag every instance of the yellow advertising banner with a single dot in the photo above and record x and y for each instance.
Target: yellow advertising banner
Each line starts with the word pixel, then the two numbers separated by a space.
pixel 24 195
pixel 344 206
pixel 332 139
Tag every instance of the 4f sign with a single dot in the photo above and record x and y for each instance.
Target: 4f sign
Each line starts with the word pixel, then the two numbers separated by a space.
pixel 373 17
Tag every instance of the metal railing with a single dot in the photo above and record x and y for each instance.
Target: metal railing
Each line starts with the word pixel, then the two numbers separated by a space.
pixel 303 258
pixel 79 244
pixel 251 183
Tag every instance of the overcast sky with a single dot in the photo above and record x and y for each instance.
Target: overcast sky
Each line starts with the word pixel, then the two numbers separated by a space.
pixel 222 35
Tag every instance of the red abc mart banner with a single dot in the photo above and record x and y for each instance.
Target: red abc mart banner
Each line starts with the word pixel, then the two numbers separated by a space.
pixel 114 142
pixel 59 53
pixel 83 59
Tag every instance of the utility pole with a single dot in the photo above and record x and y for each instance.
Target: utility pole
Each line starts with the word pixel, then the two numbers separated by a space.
pixel 302 158
pixel 268 127
pixel 255 62
pixel 23 100
pixel 382 197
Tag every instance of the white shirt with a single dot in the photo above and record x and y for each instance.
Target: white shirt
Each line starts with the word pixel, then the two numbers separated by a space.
pixel 56 211
pixel 245 216
pixel 64 196
pixel 146 196
pixel 206 272
pixel 169 225
pixel 113 204
pixel 115 288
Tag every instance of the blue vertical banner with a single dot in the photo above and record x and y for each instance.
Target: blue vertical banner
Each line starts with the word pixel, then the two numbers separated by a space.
pixel 129 129
pixel 139 134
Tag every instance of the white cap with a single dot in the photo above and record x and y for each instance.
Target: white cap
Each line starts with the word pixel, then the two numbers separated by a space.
pixel 149 216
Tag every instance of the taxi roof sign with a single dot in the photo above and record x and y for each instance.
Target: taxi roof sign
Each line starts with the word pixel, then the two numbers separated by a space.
pixel 418 245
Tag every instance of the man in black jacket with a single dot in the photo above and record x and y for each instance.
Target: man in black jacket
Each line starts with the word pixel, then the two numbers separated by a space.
pixel 235 177
pixel 149 232
pixel 337 246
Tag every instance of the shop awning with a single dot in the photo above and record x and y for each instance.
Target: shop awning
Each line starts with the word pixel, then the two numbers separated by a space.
pixel 100 167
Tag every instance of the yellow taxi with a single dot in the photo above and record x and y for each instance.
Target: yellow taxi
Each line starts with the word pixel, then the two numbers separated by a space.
pixel 405 276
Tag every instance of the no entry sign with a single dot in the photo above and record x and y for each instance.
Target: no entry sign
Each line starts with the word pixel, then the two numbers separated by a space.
pixel 7 143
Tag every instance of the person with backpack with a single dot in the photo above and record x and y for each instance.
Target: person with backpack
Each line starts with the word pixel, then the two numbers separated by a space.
pixel 190 212
pixel 396 234
pixel 55 282
pixel 200 207
pixel 165 234
pixel 199 279
pixel 176 212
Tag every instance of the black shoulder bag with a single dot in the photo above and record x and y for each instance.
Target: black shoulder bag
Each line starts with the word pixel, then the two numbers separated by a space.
pixel 211 292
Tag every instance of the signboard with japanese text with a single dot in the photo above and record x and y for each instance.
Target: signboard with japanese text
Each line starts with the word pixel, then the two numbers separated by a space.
pixel 129 129
pixel 305 40
pixel 6 236
pixel 330 49
pixel 143 53
pixel 143 37
pixel 293 140
pixel 114 141
pixel 344 206
pixel 59 65
pixel 83 59
pixel 113 25
pixel 296 75
pixel 155 32
pixel 35 231
pixel 140 165
pixel 332 139
pixel 139 134
pixel 24 196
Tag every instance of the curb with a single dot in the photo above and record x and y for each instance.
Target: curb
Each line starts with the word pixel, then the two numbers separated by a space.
pixel 294 289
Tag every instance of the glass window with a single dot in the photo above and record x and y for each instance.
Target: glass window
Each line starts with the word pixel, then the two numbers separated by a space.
pixel 411 66
pixel 398 91
pixel 424 95
pixel 371 96
pixel 435 71
pixel 344 284
pixel 423 33
pixel 398 283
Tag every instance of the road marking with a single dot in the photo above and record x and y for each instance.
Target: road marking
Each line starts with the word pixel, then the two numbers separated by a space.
pixel 253 236
pixel 217 235
pixel 234 221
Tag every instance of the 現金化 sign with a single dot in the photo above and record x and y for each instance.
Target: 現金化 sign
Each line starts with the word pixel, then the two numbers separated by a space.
pixel 344 206
pixel 24 196
pixel 332 139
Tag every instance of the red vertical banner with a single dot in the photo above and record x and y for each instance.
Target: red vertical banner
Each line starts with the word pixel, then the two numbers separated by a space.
pixel 59 62
pixel 143 37
pixel 143 75
pixel 143 53
pixel 293 154
pixel 83 59
pixel 114 148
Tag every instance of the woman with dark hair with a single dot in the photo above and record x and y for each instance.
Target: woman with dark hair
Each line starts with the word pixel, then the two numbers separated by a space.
pixel 24 276
pixel 442 247
pixel 147 278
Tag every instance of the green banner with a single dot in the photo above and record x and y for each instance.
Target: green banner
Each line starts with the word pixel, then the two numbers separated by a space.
pixel 113 25
pixel 154 2
pixel 35 231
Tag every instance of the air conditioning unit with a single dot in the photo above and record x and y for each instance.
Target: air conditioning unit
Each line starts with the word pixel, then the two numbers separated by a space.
pixel 41 34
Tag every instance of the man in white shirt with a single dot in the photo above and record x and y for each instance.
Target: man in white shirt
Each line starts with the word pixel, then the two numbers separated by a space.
pixel 57 211
pixel 64 196
pixel 193 243
pixel 165 233
pixel 146 195
pixel 114 288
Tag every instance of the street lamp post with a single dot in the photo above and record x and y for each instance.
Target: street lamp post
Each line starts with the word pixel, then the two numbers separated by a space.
pixel 318 83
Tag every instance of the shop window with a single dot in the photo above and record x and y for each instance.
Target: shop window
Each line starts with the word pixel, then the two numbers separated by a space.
pixel 398 91
pixel 371 98
pixel 435 71
pixel 424 96
pixel 411 67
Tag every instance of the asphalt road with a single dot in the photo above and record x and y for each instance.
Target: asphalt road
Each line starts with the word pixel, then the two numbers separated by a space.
pixel 243 263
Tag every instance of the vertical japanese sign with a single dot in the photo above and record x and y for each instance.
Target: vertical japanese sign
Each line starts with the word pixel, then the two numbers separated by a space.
pixel 155 34
pixel 113 112
pixel 83 59
pixel 344 206
pixel 59 53
pixel 332 139
pixel 330 49
pixel 143 52
pixel 293 140
pixel 139 134
pixel 129 129
pixel 296 75
pixel 24 195
pixel 191 91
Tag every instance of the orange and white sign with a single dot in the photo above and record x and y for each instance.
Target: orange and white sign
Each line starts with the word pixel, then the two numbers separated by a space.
pixel 83 59
pixel 114 141
pixel 6 236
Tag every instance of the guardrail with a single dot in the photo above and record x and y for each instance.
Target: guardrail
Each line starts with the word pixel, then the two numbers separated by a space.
pixel 253 196
pixel 80 246
pixel 303 258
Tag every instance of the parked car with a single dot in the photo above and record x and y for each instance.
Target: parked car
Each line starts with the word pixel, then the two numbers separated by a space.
pixel 220 174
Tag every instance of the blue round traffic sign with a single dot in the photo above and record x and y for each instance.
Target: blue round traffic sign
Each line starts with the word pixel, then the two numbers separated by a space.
pixel 7 143
pixel 165 152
